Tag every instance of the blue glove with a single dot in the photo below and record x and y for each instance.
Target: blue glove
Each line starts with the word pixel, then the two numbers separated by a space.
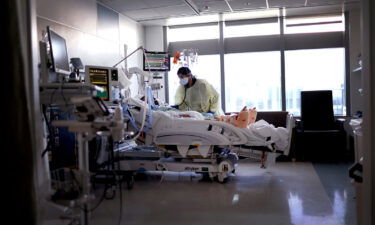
pixel 211 112
pixel 208 115
pixel 175 106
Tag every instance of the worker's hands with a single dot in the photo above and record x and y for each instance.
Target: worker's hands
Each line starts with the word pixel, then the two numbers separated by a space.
pixel 175 106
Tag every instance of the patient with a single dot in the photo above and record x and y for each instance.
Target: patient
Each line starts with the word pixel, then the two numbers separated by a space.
pixel 185 114
pixel 258 133
pixel 243 119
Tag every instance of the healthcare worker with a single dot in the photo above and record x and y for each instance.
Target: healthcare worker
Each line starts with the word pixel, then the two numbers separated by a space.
pixel 196 94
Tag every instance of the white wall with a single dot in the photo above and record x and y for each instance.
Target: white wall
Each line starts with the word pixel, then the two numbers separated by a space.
pixel 131 34
pixel 154 38
pixel 77 22
pixel 80 14
pixel 131 37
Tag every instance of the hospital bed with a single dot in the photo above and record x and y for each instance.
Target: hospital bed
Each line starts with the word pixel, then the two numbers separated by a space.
pixel 189 137
pixel 186 129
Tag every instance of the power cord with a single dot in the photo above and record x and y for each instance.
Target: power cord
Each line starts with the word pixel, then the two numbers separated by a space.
pixel 49 128
pixel 120 187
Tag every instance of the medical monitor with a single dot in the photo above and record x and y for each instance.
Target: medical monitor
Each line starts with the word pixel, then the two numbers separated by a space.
pixel 58 52
pixel 104 77
pixel 156 61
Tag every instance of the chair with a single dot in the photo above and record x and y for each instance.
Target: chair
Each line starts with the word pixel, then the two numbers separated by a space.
pixel 276 118
pixel 319 136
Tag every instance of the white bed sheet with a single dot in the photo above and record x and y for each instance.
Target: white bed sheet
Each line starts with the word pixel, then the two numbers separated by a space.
pixel 260 133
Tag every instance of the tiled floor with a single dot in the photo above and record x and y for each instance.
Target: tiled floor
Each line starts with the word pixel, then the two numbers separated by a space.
pixel 287 193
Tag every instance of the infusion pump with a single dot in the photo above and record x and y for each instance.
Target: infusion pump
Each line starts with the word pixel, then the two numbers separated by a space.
pixel 107 78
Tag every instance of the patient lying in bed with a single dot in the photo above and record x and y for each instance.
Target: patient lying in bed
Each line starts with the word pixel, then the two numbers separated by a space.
pixel 259 133
pixel 184 115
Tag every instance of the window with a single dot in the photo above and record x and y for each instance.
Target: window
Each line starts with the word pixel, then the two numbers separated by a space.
pixel 314 24
pixel 315 69
pixel 253 80
pixel 193 33
pixel 253 63
pixel 251 30
pixel 207 67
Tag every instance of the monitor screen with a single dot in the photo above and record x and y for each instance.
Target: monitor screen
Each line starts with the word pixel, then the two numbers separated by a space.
pixel 156 61
pixel 106 78
pixel 100 77
pixel 58 51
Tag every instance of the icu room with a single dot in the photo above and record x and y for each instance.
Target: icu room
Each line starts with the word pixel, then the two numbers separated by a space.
pixel 189 112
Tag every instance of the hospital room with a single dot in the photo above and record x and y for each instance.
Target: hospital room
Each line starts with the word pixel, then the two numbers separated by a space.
pixel 189 112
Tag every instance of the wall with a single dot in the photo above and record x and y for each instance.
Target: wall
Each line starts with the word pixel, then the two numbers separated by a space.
pixel 355 50
pixel 154 38
pixel 132 34
pixel 93 32
pixel 368 126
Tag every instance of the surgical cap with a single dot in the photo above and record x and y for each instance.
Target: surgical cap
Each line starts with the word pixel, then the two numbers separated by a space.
pixel 184 71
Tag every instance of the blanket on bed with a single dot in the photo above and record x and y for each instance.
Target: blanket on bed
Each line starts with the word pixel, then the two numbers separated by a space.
pixel 260 133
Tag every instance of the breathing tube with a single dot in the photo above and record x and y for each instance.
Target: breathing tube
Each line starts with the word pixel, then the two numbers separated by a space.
pixel 151 106
pixel 147 114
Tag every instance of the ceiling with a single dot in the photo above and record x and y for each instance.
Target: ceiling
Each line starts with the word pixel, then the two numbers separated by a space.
pixel 157 12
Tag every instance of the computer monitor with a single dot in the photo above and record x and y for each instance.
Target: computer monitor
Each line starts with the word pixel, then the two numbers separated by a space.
pixel 58 52
pixel 156 61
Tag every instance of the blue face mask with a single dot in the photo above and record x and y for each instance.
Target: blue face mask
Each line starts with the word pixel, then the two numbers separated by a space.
pixel 184 81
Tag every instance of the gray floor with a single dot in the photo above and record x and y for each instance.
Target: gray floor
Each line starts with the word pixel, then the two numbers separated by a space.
pixel 334 178
pixel 286 193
